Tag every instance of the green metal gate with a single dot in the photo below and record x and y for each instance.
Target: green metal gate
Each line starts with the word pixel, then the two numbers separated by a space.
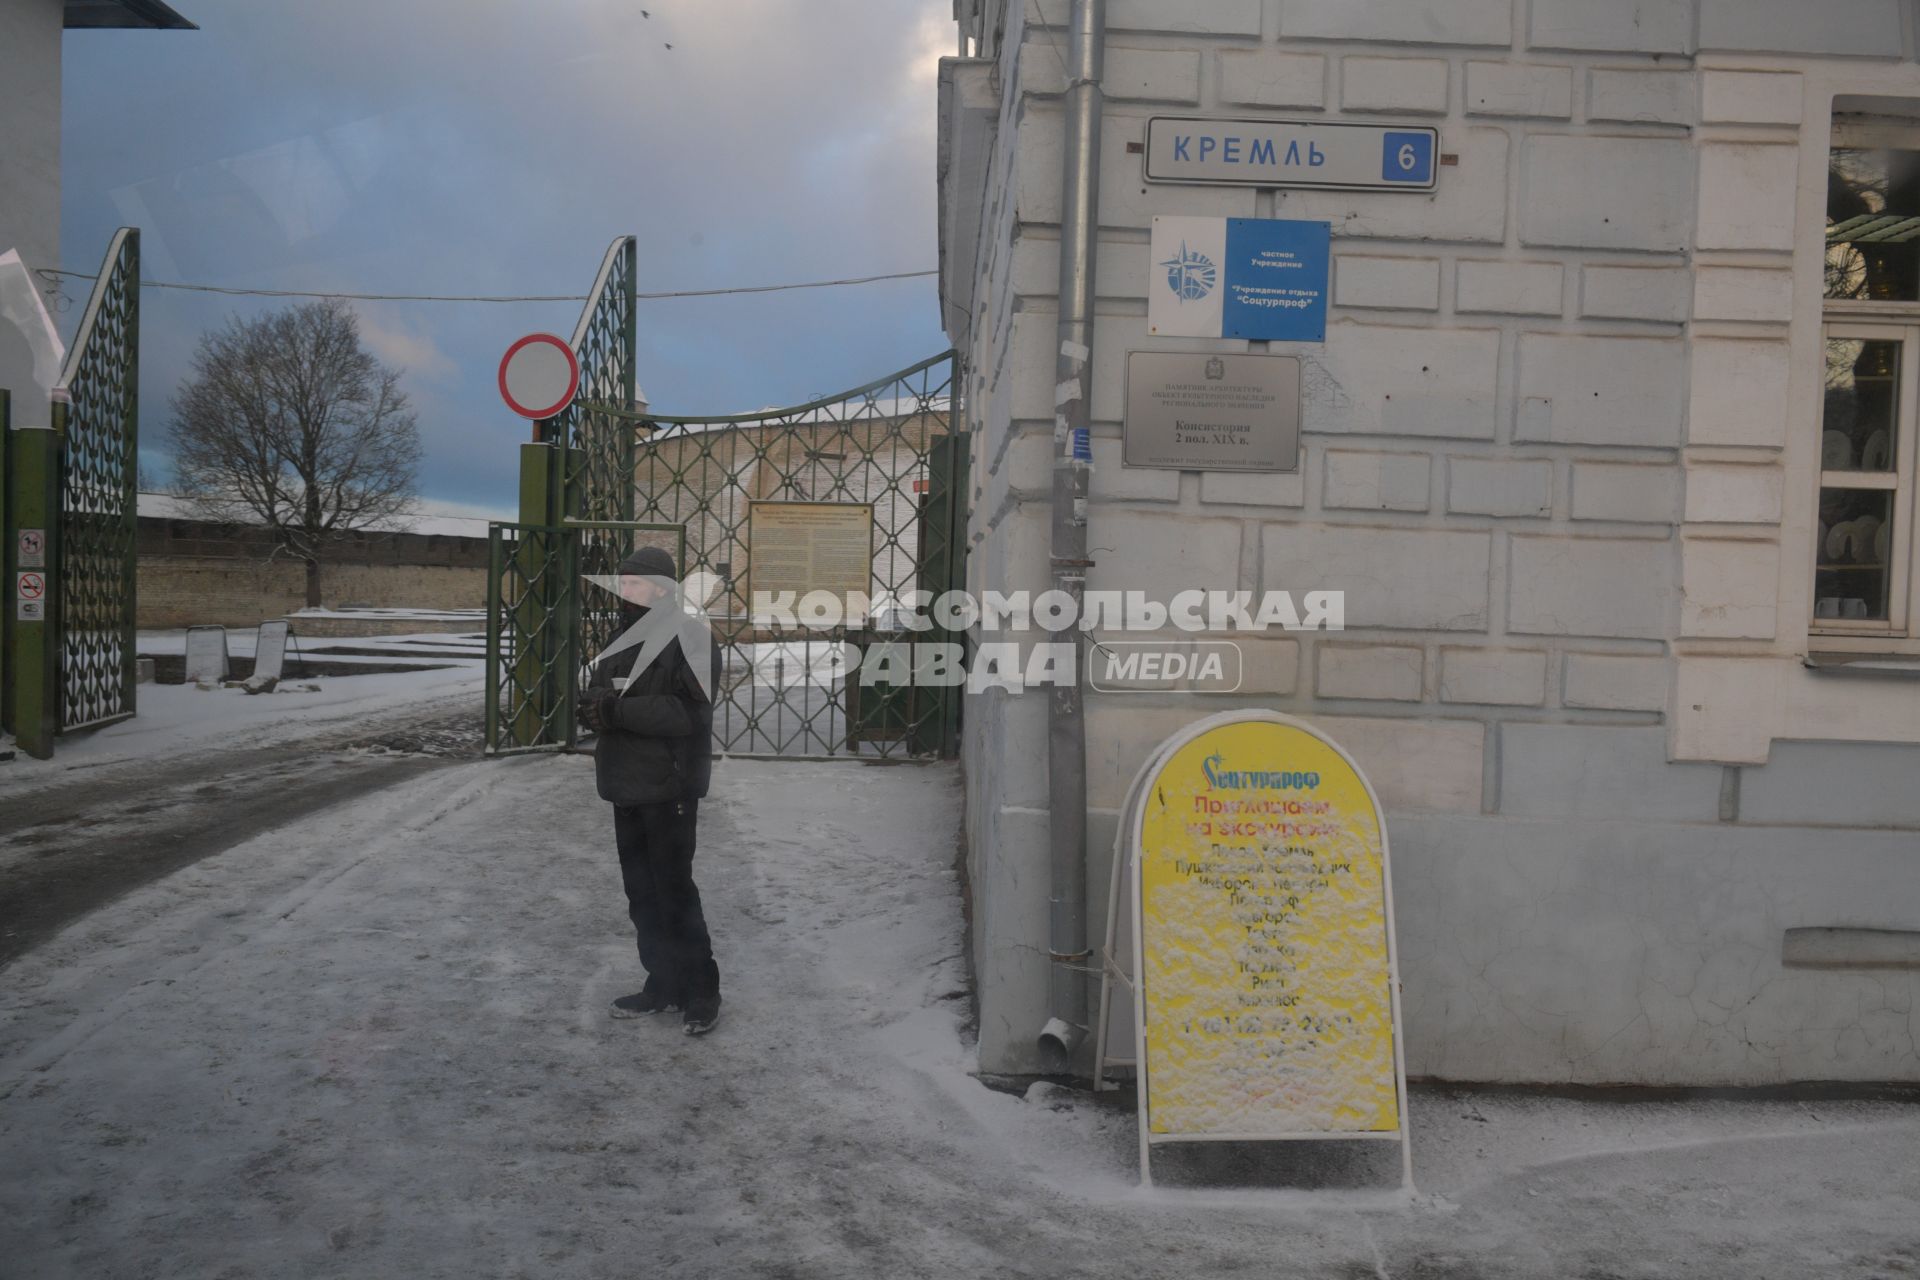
pixel 791 690
pixel 607 475
pixel 576 520
pixel 70 607
pixel 99 497
pixel 545 620
pixel 595 449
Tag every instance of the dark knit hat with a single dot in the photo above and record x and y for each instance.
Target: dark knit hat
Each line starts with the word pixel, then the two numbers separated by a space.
pixel 654 562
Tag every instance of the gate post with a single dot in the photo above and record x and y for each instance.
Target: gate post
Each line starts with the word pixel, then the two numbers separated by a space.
pixel 32 624
pixel 530 709
pixel 546 617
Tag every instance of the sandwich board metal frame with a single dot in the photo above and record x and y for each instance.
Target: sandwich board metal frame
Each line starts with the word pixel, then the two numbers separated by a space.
pixel 1127 861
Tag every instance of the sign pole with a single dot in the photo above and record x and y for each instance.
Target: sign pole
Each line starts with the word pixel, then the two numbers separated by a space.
pixel 539 377
pixel 33 604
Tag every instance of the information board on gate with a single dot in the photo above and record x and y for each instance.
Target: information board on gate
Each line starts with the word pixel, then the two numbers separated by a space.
pixel 802 547
pixel 1266 1002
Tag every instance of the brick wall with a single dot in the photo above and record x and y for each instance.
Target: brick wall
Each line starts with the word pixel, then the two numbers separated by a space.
pixel 193 572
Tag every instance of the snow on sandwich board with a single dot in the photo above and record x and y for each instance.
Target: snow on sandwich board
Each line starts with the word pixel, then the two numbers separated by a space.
pixel 1262 963
pixel 206 656
pixel 270 650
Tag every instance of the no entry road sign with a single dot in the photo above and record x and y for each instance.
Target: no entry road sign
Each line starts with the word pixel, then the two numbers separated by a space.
pixel 539 376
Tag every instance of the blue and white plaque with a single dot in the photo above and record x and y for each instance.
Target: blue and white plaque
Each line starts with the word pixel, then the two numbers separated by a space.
pixel 1257 278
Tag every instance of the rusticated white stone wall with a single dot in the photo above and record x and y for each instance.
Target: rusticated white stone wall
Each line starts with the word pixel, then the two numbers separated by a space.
pixel 30 177
pixel 1556 450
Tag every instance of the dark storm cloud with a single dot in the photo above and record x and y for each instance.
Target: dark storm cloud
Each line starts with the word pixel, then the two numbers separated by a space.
pixel 472 146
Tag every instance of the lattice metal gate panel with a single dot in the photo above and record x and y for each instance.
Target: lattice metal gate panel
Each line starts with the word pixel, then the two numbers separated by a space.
pixel 794 691
pixel 538 600
pixel 599 446
pixel 533 597
pixel 607 476
pixel 99 423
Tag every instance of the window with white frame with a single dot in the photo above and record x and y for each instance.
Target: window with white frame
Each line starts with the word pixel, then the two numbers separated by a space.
pixel 1863 552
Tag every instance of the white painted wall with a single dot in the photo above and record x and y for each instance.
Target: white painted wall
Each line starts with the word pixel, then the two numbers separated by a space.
pixel 30 32
pixel 1557 449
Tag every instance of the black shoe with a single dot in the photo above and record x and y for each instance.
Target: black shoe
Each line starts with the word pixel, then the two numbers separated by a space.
pixel 702 1013
pixel 642 1003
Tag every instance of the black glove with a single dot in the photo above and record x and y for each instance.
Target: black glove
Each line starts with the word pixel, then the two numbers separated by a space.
pixel 595 709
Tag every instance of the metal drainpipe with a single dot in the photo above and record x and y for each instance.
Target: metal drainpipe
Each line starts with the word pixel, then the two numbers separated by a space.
pixel 1072 461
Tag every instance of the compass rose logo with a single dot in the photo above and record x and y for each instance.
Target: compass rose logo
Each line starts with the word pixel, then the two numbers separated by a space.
pixel 1190 274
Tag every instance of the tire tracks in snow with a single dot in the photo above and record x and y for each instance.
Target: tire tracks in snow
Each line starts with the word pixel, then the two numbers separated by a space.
pixel 37 1058
pixel 75 839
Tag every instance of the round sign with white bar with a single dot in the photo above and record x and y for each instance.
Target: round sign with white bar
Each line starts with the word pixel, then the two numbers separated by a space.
pixel 539 376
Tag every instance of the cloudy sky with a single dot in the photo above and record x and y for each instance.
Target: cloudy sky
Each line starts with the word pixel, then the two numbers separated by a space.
pixel 496 147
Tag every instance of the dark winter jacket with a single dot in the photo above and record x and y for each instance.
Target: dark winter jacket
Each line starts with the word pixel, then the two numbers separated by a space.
pixel 658 741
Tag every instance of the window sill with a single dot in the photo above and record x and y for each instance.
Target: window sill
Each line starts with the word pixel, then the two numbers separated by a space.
pixel 1883 666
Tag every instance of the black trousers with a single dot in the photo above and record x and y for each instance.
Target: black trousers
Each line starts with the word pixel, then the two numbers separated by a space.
pixel 656 866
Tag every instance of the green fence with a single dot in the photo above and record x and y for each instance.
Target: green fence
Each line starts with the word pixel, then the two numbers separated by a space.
pixel 69 492
pixel 99 427
pixel 546 619
pixel 889 453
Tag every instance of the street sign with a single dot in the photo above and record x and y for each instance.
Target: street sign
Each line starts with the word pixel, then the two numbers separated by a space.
pixel 32 549
pixel 1292 153
pixel 539 376
pixel 1266 988
pixel 1256 278
pixel 1195 411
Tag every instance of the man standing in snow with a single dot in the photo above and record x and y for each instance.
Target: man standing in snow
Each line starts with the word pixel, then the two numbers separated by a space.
pixel 653 758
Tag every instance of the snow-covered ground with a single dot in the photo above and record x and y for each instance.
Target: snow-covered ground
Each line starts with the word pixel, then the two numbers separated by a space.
pixel 478 617
pixel 241 642
pixel 175 721
pixel 341 655
pixel 375 1044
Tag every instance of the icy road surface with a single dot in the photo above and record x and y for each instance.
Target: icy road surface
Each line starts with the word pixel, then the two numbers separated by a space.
pixel 374 1043
pixel 201 770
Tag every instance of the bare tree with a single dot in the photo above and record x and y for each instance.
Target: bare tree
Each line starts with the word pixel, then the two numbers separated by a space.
pixel 288 422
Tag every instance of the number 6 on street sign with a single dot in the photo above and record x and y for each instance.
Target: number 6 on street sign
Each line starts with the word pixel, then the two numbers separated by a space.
pixel 1409 158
